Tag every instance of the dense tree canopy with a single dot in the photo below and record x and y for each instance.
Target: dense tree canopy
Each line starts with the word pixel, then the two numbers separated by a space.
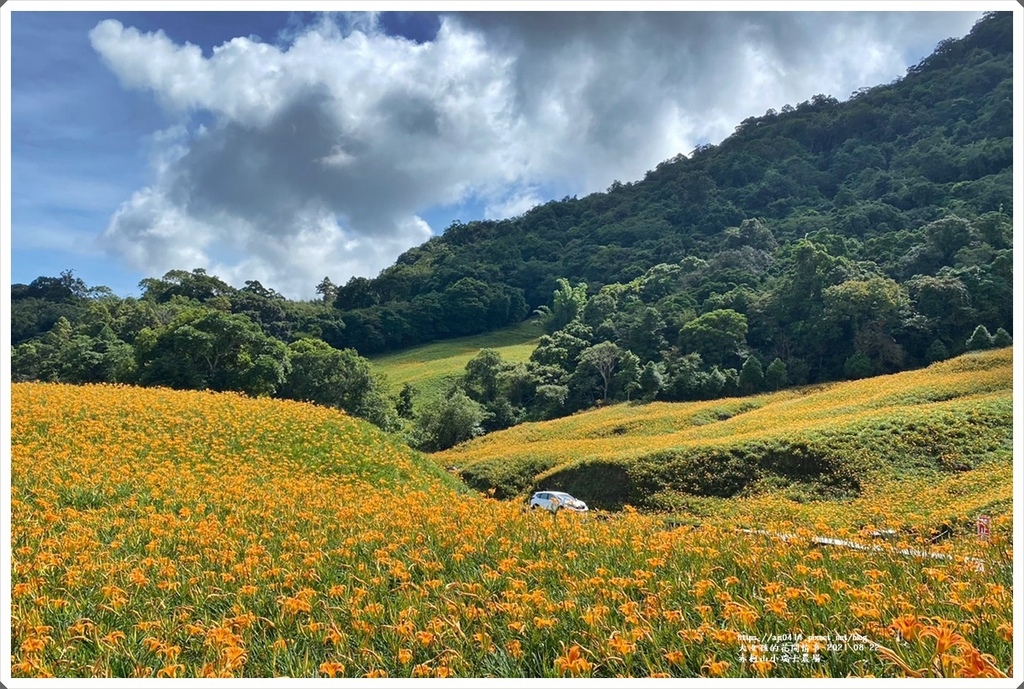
pixel 336 378
pixel 206 349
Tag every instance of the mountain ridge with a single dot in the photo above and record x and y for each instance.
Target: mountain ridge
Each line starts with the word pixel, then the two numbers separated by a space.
pixel 873 170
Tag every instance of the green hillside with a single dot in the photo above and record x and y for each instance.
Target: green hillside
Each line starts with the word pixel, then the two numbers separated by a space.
pixel 919 448
pixel 862 176
pixel 426 366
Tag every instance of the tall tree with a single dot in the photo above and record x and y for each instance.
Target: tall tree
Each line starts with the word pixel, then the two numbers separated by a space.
pixel 775 374
pixel 327 290
pixel 717 336
pixel 448 420
pixel 605 358
pixel 751 375
pixel 979 339
pixel 208 349
pixel 870 311
pixel 568 302
pixel 336 378
pixel 482 373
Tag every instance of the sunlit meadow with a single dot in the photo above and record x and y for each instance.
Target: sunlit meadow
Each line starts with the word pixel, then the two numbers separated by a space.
pixel 426 367
pixel 171 534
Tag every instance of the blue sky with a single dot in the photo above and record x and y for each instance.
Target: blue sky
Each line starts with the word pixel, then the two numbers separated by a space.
pixel 81 144
pixel 328 144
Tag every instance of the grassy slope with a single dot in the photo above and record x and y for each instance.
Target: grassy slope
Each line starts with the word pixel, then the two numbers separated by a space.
pixel 426 366
pixel 917 448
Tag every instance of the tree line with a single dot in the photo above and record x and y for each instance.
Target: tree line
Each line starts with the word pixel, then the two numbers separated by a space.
pixel 757 317
pixel 791 316
pixel 191 330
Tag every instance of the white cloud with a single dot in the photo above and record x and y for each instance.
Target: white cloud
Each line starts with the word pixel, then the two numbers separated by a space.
pixel 362 128
pixel 150 232
pixel 321 248
pixel 338 157
pixel 517 203
pixel 324 153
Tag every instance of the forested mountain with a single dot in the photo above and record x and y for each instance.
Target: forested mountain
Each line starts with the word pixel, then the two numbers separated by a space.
pixel 860 179
pixel 823 241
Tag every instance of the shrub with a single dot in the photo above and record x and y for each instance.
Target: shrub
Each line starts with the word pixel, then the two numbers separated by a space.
pixel 448 421
pixel 937 352
pixel 980 339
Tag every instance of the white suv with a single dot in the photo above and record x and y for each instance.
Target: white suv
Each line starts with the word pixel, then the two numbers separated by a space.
pixel 554 501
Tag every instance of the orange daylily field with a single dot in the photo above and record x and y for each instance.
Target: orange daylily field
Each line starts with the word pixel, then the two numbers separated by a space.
pixel 160 533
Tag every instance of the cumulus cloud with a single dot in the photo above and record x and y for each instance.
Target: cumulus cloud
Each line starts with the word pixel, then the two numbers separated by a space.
pixel 515 203
pixel 625 91
pixel 324 154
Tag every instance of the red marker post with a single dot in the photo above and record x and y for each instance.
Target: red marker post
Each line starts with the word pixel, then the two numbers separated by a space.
pixel 983 525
